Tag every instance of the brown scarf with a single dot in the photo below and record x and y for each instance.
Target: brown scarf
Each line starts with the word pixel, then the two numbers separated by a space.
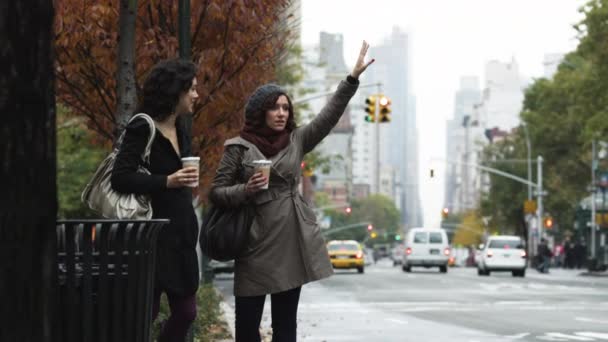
pixel 266 139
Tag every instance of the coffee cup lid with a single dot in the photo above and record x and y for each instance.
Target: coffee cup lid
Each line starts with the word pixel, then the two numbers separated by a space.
pixel 190 158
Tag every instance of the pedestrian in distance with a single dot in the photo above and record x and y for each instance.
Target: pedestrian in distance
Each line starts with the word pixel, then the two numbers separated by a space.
pixel 545 255
pixel 169 92
pixel 568 253
pixel 580 254
pixel 285 249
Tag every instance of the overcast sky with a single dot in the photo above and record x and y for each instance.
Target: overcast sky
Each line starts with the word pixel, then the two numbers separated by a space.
pixel 450 39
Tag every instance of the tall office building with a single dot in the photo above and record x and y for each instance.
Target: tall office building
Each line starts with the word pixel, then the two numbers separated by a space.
pixel 325 68
pixel 503 95
pixel 398 139
pixel 496 108
pixel 467 96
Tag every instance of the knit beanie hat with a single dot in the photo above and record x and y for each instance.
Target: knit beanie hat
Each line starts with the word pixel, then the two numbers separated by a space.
pixel 256 100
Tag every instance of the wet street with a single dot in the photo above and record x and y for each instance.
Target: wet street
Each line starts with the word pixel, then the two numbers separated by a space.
pixel 387 304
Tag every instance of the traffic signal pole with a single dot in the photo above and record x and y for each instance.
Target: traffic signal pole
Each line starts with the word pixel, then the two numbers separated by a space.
pixel 377 123
pixel 538 185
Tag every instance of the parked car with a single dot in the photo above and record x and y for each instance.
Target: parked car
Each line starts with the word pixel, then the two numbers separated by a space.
pixel 368 256
pixel 503 253
pixel 426 247
pixel 346 254
pixel 222 266
pixel 397 254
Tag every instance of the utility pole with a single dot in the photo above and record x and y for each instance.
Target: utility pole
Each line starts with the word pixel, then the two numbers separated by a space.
pixel 377 123
pixel 464 192
pixel 540 194
pixel 593 191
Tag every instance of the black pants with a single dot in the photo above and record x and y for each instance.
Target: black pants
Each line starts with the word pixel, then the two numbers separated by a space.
pixel 284 307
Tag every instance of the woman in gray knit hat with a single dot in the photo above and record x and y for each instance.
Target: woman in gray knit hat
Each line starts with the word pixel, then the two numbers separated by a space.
pixel 285 248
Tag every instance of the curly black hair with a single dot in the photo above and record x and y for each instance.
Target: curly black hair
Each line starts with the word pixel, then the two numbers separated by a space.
pixel 269 104
pixel 163 87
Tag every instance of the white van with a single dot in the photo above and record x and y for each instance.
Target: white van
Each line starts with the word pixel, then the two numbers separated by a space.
pixel 427 247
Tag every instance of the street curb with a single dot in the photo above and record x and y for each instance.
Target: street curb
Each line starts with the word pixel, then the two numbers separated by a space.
pixel 594 274
pixel 228 314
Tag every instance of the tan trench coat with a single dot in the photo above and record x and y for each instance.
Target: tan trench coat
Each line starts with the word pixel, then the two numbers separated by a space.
pixel 285 248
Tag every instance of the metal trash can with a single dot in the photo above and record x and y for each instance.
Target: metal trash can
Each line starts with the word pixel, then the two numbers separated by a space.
pixel 105 277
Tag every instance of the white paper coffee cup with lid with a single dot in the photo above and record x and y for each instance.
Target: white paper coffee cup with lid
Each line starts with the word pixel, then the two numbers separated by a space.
pixel 192 162
pixel 263 166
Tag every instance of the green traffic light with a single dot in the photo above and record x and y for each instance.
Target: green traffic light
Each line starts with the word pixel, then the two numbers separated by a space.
pixel 398 237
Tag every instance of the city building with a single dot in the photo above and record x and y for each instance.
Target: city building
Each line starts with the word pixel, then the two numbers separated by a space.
pixel 325 68
pixel 397 140
pixel 458 139
pixel 495 109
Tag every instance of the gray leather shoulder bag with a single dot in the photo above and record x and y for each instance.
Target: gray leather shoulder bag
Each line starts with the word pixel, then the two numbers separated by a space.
pixel 99 195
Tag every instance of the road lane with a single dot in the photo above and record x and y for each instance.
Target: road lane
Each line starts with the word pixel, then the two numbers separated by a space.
pixel 386 304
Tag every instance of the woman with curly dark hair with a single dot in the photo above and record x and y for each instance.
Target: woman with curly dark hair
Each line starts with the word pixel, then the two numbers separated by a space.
pixel 169 92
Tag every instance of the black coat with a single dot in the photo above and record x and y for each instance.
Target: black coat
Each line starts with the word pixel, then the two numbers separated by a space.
pixel 177 262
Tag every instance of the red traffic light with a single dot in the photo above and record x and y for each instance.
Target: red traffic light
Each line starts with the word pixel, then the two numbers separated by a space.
pixel 348 210
pixel 445 212
pixel 370 227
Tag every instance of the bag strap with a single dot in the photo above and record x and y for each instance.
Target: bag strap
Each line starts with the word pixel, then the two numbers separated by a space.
pixel 146 155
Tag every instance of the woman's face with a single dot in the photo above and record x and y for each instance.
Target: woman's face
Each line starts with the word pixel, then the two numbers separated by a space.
pixel 276 118
pixel 187 100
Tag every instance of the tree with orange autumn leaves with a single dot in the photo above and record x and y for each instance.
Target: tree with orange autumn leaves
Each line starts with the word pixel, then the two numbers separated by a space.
pixel 236 44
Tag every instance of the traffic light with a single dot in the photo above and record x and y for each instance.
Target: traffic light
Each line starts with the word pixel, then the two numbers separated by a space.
pixel 370 227
pixel 385 109
pixel 348 210
pixel 548 222
pixel 374 235
pixel 445 212
pixel 370 109
pixel 397 237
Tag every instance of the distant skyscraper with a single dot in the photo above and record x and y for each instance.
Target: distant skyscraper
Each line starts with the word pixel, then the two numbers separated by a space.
pixel 398 139
pixel 331 53
pixel 496 108
pixel 467 96
pixel 325 68
pixel 503 95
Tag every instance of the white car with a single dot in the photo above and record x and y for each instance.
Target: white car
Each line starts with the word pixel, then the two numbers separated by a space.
pixel 503 253
pixel 397 254
pixel 427 247
pixel 368 256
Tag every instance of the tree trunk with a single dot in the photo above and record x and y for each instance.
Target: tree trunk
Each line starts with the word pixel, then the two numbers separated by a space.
pixel 126 90
pixel 27 178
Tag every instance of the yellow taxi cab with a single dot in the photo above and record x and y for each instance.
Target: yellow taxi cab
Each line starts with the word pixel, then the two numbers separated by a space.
pixel 346 254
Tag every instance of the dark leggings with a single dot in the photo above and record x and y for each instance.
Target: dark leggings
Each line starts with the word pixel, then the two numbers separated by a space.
pixel 183 313
pixel 284 307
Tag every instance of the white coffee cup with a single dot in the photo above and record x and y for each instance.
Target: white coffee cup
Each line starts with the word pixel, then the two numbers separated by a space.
pixel 192 162
pixel 264 167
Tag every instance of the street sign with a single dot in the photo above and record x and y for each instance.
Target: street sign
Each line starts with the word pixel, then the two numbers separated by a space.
pixel 530 207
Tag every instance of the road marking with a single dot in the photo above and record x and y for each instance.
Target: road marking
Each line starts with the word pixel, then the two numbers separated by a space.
pixel 518 302
pixel 563 337
pixel 398 321
pixel 602 336
pixel 590 320
pixel 518 336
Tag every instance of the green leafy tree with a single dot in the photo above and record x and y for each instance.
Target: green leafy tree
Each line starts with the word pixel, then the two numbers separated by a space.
pixel 563 114
pixel 77 159
pixel 377 209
